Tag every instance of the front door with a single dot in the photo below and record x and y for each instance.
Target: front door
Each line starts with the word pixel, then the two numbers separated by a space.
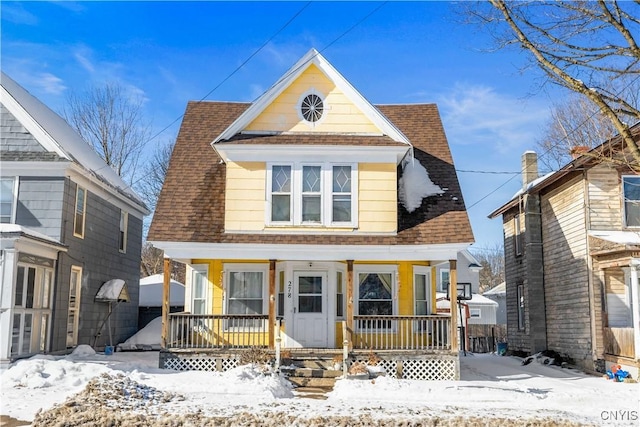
pixel 310 311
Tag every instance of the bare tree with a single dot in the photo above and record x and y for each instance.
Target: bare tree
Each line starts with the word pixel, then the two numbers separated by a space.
pixel 152 262
pixel 154 173
pixel 492 262
pixel 588 47
pixel 111 120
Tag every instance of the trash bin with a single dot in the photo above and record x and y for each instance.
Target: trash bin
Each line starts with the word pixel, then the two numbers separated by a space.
pixel 108 350
pixel 502 348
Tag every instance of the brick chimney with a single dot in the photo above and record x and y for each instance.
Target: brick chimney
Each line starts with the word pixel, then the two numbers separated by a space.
pixel 529 167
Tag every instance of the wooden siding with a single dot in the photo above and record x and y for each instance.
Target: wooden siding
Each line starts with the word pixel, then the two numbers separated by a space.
pixel 245 196
pixel 565 271
pixel 605 211
pixel 614 282
pixel 377 197
pixel 340 114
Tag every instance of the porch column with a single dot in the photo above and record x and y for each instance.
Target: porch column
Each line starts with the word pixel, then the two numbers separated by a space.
pixel 7 277
pixel 635 314
pixel 166 294
pixel 453 300
pixel 272 302
pixel 349 303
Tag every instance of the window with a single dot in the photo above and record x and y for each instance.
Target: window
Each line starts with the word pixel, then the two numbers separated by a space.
pixel 281 294
pixel 81 206
pixel 311 108
pixel 246 290
pixel 474 313
pixel 6 200
pixel 375 297
pixel 631 193
pixel 340 294
pixel 517 235
pixel 312 194
pixel 422 290
pixel 73 313
pixel 122 236
pixel 443 286
pixel 199 285
pixel 521 322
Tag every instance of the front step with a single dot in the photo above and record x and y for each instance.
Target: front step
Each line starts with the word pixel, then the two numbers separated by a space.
pixel 319 393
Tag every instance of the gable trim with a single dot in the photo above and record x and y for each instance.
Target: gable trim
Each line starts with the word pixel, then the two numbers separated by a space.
pixel 34 128
pixel 312 57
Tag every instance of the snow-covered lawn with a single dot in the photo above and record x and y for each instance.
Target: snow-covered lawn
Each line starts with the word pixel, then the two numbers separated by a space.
pixel 492 389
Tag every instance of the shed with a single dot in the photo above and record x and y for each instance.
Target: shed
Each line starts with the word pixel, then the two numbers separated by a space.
pixel 150 305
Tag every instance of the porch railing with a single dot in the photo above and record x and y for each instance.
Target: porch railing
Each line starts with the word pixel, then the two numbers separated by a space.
pixel 619 342
pixel 217 331
pixel 402 332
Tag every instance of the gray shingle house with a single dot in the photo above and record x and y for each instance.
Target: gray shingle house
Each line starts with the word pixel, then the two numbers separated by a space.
pixel 68 224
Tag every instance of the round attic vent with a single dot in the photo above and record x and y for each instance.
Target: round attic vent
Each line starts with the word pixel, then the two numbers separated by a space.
pixel 312 108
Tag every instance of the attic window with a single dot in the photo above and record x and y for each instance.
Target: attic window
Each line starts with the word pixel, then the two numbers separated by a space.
pixel 312 108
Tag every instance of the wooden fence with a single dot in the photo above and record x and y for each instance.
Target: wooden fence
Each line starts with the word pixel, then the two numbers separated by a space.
pixel 402 332
pixel 619 342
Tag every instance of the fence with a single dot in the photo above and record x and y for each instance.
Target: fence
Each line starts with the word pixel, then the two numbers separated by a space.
pixel 402 332
pixel 217 331
pixel 619 342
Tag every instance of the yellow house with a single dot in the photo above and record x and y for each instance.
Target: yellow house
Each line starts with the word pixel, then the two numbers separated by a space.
pixel 312 219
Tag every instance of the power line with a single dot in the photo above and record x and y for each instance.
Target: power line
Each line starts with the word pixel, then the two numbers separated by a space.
pixel 489 172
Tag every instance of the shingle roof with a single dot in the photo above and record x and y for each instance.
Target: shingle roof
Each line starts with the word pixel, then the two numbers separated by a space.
pixel 191 204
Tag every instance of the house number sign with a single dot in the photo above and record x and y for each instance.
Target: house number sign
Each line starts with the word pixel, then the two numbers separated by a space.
pixel 289 286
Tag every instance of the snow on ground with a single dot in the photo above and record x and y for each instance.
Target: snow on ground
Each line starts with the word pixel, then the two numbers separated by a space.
pixel 491 388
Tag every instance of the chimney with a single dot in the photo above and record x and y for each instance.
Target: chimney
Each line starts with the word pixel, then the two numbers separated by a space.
pixel 529 168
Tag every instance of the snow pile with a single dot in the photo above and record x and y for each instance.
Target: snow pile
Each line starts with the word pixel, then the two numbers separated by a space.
pixel 415 185
pixel 147 338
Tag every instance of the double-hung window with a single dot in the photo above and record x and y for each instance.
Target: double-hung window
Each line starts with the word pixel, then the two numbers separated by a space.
pixel 6 200
pixel 246 294
pixel 122 236
pixel 312 194
pixel 631 194
pixel 376 287
pixel 80 209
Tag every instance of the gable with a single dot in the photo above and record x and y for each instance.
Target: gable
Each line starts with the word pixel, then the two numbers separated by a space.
pixel 340 113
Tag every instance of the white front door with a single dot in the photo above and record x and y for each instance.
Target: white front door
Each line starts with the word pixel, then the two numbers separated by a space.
pixel 310 309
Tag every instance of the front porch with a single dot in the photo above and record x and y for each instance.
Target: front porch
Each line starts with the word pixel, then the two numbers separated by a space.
pixel 409 347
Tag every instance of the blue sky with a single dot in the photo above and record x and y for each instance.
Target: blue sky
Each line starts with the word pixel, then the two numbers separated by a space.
pixel 403 52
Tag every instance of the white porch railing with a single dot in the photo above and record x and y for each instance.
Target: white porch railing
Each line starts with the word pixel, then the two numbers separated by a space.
pixel 402 332
pixel 188 331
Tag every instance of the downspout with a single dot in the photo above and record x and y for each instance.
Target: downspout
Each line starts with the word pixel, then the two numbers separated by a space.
pixel 595 354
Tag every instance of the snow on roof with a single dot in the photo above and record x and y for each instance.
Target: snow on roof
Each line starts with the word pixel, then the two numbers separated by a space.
pixel 113 290
pixel 415 185
pixel 619 237
pixel 500 289
pixel 18 229
pixel 476 299
pixel 151 292
pixel 67 139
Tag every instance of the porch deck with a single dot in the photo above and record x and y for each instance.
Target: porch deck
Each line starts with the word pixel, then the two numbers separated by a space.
pixel 412 347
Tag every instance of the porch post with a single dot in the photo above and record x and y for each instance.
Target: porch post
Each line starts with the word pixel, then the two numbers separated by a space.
pixel 272 302
pixel 7 277
pixel 453 300
pixel 635 314
pixel 349 303
pixel 166 294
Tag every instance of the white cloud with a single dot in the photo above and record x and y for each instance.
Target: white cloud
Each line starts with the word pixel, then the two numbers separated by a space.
pixel 50 83
pixel 478 115
pixel 14 12
pixel 81 55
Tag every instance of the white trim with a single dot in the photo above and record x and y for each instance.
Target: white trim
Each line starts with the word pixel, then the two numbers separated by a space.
pixel 624 200
pixel 233 152
pixel 189 294
pixel 312 57
pixel 84 211
pixel 76 323
pixel 39 133
pixel 304 252
pixel 423 271
pixel 15 180
pixel 375 269
pixel 228 268
pixel 124 229
pixel 322 96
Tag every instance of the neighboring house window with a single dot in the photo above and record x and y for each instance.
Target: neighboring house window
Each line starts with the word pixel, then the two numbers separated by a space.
pixel 81 207
pixel 73 314
pixel 199 285
pixel 375 297
pixel 474 313
pixel 631 193
pixel 7 203
pixel 517 235
pixel 32 305
pixel 422 290
pixel 444 280
pixel 312 194
pixel 246 293
pixel 122 236
pixel 521 306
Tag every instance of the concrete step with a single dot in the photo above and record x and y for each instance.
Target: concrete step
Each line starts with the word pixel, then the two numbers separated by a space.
pixel 314 363
pixel 319 393
pixel 312 382
pixel 312 373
